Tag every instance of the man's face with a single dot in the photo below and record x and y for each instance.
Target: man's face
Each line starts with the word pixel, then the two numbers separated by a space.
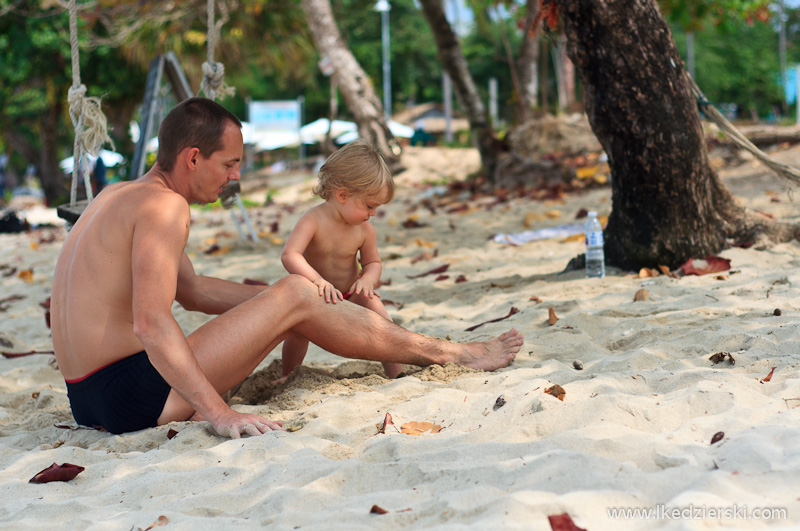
pixel 220 168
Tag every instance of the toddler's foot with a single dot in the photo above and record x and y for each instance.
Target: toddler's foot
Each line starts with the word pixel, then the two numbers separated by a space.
pixel 392 370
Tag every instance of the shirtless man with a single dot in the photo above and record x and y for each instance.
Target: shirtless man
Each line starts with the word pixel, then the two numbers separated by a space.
pixel 128 365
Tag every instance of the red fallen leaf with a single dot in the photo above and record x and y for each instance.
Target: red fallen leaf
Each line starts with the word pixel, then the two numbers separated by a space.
pixel 717 437
pixel 510 313
pixel 535 299
pixel 437 270
pixel 376 509
pixel 56 472
pixel 563 522
pixel 254 282
pixel 413 224
pixel 171 433
pixel 46 305
pixel 274 227
pixel 582 213
pixel 460 279
pixel 709 264
pixel 769 376
pixel 442 277
pixel 552 318
pixel 387 421
pixel 23 354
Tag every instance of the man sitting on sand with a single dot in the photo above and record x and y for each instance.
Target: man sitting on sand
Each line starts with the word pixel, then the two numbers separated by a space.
pixel 126 362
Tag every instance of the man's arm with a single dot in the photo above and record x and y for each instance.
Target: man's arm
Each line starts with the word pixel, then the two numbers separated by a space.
pixel 159 237
pixel 209 295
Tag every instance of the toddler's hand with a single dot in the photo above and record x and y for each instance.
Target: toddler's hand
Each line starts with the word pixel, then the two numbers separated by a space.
pixel 327 290
pixel 364 288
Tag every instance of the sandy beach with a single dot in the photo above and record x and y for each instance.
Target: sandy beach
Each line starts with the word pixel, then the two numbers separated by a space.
pixel 633 432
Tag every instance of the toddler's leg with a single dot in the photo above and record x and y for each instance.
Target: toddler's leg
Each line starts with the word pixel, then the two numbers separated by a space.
pixel 376 305
pixel 294 350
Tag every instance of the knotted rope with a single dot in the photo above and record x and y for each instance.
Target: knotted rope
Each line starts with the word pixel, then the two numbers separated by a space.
pixel 779 168
pixel 87 118
pixel 213 84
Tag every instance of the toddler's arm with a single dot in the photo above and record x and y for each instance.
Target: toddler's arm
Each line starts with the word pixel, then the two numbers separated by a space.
pixel 293 260
pixel 371 266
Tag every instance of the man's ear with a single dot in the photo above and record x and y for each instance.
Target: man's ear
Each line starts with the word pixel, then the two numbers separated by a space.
pixel 342 195
pixel 189 157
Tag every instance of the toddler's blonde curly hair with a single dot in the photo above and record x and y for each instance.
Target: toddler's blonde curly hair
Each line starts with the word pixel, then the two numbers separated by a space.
pixel 357 167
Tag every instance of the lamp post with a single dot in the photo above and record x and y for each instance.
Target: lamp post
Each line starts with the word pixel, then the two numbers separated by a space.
pixel 383 7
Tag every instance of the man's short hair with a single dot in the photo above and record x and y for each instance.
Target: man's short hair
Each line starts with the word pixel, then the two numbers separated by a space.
pixel 195 123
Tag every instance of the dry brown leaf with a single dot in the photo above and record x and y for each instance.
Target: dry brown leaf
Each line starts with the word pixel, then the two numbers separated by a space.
pixel 162 520
pixel 418 428
pixel 557 391
pixel 646 272
pixel 553 214
pixel 641 295
pixel 769 376
pixel 535 299
pixel 552 317
pixel 531 218
pixel 574 238
pixel 717 437
pixel 26 275
pixel 377 509
pixel 387 421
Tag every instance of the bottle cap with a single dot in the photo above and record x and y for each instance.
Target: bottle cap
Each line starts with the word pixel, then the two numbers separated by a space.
pixel 592 214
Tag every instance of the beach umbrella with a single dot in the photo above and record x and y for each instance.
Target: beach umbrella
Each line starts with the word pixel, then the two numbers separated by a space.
pixel 110 159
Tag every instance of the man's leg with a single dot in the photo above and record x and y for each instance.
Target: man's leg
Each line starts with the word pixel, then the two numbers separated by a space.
pixel 230 346
pixel 391 370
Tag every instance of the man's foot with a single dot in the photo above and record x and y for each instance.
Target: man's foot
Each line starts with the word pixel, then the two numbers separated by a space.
pixel 490 355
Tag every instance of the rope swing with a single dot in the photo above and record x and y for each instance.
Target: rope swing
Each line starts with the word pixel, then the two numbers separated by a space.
pixel 779 168
pixel 87 118
pixel 213 84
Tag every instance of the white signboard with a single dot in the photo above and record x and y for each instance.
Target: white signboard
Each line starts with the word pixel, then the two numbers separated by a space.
pixel 281 115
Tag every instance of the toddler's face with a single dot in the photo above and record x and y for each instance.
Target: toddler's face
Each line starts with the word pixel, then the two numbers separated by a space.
pixel 360 208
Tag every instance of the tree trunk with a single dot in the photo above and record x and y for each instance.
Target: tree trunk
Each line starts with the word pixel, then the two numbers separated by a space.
pixel 50 175
pixel 566 75
pixel 455 65
pixel 354 84
pixel 527 63
pixel 668 205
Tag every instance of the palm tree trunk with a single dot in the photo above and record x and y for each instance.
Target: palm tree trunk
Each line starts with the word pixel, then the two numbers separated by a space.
pixel 455 65
pixel 354 84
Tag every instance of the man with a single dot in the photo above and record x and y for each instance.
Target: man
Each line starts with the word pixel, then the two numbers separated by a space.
pixel 126 361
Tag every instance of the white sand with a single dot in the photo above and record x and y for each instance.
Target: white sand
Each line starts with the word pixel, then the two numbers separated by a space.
pixel 633 430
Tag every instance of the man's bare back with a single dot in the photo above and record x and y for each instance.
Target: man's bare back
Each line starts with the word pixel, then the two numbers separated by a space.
pixel 91 303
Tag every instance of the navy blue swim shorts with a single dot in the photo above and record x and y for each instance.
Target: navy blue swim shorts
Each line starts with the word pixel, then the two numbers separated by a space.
pixel 127 395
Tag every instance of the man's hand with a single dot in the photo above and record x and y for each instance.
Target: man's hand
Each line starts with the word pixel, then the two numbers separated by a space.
pixel 327 290
pixel 365 288
pixel 234 424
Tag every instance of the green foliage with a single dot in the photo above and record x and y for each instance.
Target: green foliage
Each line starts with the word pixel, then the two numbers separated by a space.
pixel 729 72
pixel 695 15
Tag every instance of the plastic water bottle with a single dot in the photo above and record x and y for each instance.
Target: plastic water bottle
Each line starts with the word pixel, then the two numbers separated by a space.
pixel 595 258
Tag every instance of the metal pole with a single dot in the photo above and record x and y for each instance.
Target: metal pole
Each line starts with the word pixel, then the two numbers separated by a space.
pixel 447 88
pixel 387 67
